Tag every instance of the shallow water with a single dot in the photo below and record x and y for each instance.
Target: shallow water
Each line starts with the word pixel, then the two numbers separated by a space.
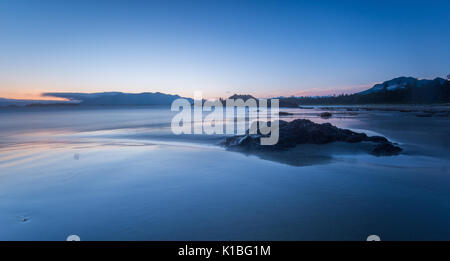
pixel 120 174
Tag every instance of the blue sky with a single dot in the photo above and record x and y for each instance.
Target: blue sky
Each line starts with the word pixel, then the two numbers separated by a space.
pixel 266 48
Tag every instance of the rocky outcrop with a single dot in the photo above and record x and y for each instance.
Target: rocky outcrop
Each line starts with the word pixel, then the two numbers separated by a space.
pixel 303 131
pixel 325 115
pixel 284 113
pixel 385 149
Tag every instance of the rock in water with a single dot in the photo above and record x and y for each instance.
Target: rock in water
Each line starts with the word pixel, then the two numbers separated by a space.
pixel 325 115
pixel 385 149
pixel 284 113
pixel 303 131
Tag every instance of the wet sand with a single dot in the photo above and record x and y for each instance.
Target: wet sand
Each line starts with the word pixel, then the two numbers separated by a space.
pixel 121 175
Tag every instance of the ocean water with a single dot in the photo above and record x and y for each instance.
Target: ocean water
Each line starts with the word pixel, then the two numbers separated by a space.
pixel 120 174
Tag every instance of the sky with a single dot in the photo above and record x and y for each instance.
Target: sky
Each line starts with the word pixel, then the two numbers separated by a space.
pixel 263 48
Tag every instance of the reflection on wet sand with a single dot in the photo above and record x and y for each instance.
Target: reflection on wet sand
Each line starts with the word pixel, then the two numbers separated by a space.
pixel 122 175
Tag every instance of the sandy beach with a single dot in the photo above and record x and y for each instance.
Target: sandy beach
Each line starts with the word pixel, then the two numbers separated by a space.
pixel 120 174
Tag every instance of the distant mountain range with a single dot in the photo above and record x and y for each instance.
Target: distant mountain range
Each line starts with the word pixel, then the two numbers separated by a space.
pixel 118 98
pixel 402 90
pixel 404 83
pixel 103 98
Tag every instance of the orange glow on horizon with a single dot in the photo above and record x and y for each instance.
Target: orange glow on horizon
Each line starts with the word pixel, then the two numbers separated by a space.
pixel 28 96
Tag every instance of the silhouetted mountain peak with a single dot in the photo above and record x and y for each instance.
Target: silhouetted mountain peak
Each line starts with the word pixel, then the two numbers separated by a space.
pixel 401 83
pixel 242 96
pixel 119 98
pixel 401 90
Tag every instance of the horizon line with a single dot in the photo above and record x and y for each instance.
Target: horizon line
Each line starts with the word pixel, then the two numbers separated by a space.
pixel 311 92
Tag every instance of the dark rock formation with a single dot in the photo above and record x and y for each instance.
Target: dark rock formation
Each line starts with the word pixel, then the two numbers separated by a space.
pixel 325 115
pixel 303 131
pixel 284 113
pixel 385 149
